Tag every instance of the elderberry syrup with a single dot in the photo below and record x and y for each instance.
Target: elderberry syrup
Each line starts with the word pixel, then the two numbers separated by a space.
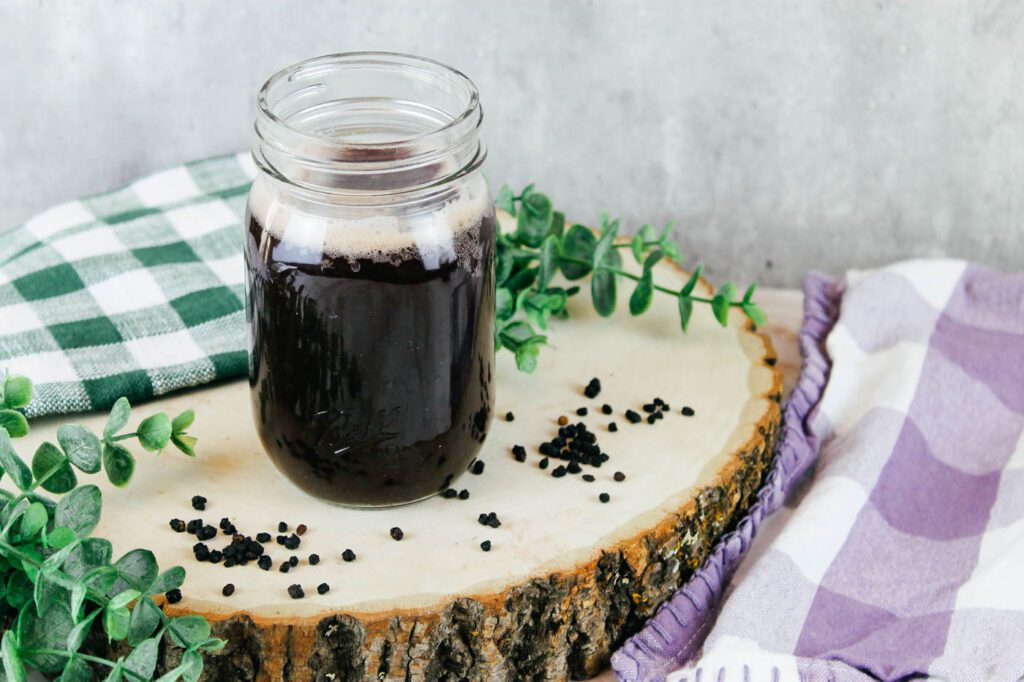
pixel 369 250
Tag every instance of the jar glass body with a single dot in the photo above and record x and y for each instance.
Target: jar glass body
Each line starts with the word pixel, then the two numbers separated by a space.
pixel 369 252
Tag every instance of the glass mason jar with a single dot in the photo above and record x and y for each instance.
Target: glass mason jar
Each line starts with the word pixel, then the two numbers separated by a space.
pixel 369 251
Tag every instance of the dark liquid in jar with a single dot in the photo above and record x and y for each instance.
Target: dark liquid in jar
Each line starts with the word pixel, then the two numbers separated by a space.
pixel 372 377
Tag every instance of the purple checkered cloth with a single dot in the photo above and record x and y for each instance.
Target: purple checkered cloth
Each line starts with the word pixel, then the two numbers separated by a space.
pixel 891 529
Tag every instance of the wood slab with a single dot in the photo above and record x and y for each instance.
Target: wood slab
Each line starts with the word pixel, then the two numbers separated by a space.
pixel 567 578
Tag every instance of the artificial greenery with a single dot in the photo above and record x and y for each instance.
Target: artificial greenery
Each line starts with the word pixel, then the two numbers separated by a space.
pixel 57 582
pixel 529 258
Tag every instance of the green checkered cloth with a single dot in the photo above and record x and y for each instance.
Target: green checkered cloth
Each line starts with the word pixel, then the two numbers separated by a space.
pixel 136 292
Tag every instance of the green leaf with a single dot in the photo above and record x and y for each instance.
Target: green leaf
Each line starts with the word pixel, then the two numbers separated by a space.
pixel 89 554
pixel 115 623
pixel 57 559
pixel 748 295
pixel 195 666
pixel 504 304
pixel 19 589
pixel 154 432
pixel 504 262
pixel 506 200
pixel 78 633
pixel 145 618
pixel 637 247
pixel 692 282
pixel 522 279
pixel 122 599
pixel 49 458
pixel 557 223
pixel 183 421
pixel 640 301
pixel 534 219
pixel 604 247
pixel 119 415
pixel 12 464
pixel 578 244
pixel 602 290
pixel 213 645
pixel 170 579
pixel 515 334
pixel 721 301
pixel 526 358
pixel 142 661
pixel 13 667
pixel 81 446
pixel 189 630
pixel 33 521
pixel 754 312
pixel 79 510
pixel 78 595
pixel 137 569
pixel 14 422
pixel 685 310
pixel 185 443
pixel 61 537
pixel 548 261
pixel 118 463
pixel 76 670
pixel 47 630
pixel 17 391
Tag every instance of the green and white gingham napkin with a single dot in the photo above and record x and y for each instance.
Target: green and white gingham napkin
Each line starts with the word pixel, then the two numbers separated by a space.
pixel 136 292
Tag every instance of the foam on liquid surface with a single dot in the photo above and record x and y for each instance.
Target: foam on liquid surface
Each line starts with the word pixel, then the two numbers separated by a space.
pixel 447 233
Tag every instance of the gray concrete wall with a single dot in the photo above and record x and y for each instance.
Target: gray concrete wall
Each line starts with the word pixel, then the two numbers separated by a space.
pixel 781 135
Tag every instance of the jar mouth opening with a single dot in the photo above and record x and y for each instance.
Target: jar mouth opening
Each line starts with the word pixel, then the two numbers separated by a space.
pixel 292 80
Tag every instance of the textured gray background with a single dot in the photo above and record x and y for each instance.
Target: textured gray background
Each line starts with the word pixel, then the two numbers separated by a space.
pixel 782 135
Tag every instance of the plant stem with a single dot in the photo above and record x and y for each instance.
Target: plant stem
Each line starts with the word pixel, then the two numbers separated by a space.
pixel 124 436
pixel 14 551
pixel 636 278
pixel 85 657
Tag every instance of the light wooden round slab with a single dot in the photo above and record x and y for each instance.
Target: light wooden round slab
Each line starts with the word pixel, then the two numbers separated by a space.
pixel 567 578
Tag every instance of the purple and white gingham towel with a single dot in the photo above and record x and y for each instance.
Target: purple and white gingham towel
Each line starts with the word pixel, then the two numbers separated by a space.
pixel 897 549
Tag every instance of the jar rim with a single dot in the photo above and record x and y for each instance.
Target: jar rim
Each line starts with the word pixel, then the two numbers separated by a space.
pixel 380 57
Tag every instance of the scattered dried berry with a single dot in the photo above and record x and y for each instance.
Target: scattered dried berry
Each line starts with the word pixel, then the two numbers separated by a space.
pixel 314 559
pixel 544 463
pixel 650 407
pixel 486 545
pixel 301 529
pixel 651 418
pixel 199 503
pixel 633 417
pixel 558 471
pixel 606 409
pixel 265 562
pixel 619 476
pixel 593 388
pixel 519 452
pixel 292 542
pixel 194 525
pixel 215 556
pixel 177 525
pixel 285 567
pixel 173 596
pixel 563 420
pixel 688 411
pixel 509 417
pixel 588 478
pixel 450 493
pixel 463 494
pixel 478 467
pixel 262 537
pixel 295 591
pixel 282 527
pixel 582 412
pixel 613 427
pixel 323 588
pixel 604 497
pixel 206 533
pixel 228 590
pixel 397 534
pixel 348 555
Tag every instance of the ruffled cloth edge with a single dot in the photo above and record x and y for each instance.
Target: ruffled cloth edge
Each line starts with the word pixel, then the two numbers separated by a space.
pixel 677 631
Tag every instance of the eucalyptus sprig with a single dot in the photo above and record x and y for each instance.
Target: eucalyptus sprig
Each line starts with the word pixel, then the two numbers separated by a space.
pixel 540 247
pixel 57 582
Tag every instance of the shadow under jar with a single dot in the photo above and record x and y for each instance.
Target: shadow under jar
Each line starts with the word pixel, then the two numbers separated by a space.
pixel 369 253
